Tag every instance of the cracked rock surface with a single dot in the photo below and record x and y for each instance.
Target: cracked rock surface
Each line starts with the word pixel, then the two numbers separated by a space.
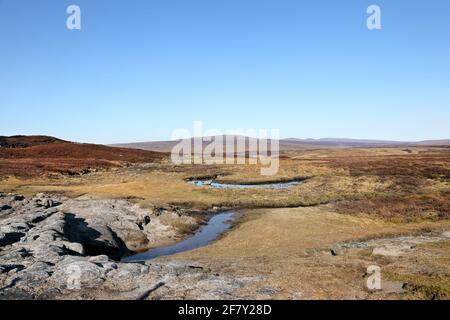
pixel 59 248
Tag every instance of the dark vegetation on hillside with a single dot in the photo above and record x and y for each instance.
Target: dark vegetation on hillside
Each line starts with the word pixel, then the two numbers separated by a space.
pixel 29 156
pixel 27 141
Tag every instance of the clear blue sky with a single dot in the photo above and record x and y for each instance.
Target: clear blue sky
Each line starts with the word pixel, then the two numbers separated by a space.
pixel 137 70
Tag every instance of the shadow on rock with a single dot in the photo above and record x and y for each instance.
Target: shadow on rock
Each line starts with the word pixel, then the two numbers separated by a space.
pixel 96 240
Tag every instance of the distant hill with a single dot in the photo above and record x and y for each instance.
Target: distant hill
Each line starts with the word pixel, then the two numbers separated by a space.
pixel 434 143
pixel 38 155
pixel 295 144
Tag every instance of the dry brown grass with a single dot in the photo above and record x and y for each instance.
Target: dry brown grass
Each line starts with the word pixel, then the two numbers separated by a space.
pixel 390 183
pixel 369 192
pixel 294 231
pixel 290 249
pixel 432 164
pixel 409 208
pixel 183 225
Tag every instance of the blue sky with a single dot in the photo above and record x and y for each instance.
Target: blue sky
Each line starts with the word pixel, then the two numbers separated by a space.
pixel 137 70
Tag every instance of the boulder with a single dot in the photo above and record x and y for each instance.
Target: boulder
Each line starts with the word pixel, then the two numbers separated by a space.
pixel 99 259
pixel 75 273
pixel 75 247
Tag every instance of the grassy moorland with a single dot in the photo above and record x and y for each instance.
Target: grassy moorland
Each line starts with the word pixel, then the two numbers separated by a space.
pixel 395 183
pixel 350 196
pixel 289 249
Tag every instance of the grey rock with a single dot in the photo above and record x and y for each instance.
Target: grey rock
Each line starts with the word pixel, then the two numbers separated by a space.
pixel 11 281
pixel 16 255
pixel 96 237
pixel 99 259
pixel 72 271
pixel 48 203
pixel 109 266
pixel 130 270
pixel 46 248
pixel 37 203
pixel 269 291
pixel 75 247
pixel 33 277
pixel 19 226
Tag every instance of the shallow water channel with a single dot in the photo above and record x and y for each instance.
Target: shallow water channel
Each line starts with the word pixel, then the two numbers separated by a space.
pixel 216 226
pixel 218 185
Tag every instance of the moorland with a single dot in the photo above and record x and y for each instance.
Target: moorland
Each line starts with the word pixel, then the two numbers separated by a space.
pixel 66 205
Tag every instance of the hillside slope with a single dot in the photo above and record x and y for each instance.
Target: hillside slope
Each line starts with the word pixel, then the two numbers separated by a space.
pixel 40 155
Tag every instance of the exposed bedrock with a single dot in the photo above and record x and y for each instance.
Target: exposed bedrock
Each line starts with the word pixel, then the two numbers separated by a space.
pixel 58 247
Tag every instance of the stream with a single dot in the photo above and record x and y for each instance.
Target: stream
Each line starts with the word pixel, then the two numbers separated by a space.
pixel 218 185
pixel 216 226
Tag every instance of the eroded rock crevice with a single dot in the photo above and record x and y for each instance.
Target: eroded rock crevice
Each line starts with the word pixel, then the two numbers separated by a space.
pixel 54 247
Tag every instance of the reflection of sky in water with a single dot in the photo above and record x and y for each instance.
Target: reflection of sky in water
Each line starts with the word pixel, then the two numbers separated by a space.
pixel 244 186
pixel 214 228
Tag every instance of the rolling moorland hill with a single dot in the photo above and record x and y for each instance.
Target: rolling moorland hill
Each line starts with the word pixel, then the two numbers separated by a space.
pixel 292 144
pixel 31 156
pixel 36 155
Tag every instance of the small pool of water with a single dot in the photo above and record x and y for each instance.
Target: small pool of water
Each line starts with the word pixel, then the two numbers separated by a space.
pixel 217 225
pixel 217 185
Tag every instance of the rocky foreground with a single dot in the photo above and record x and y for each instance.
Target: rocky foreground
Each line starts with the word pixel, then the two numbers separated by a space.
pixel 60 248
pixel 54 247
